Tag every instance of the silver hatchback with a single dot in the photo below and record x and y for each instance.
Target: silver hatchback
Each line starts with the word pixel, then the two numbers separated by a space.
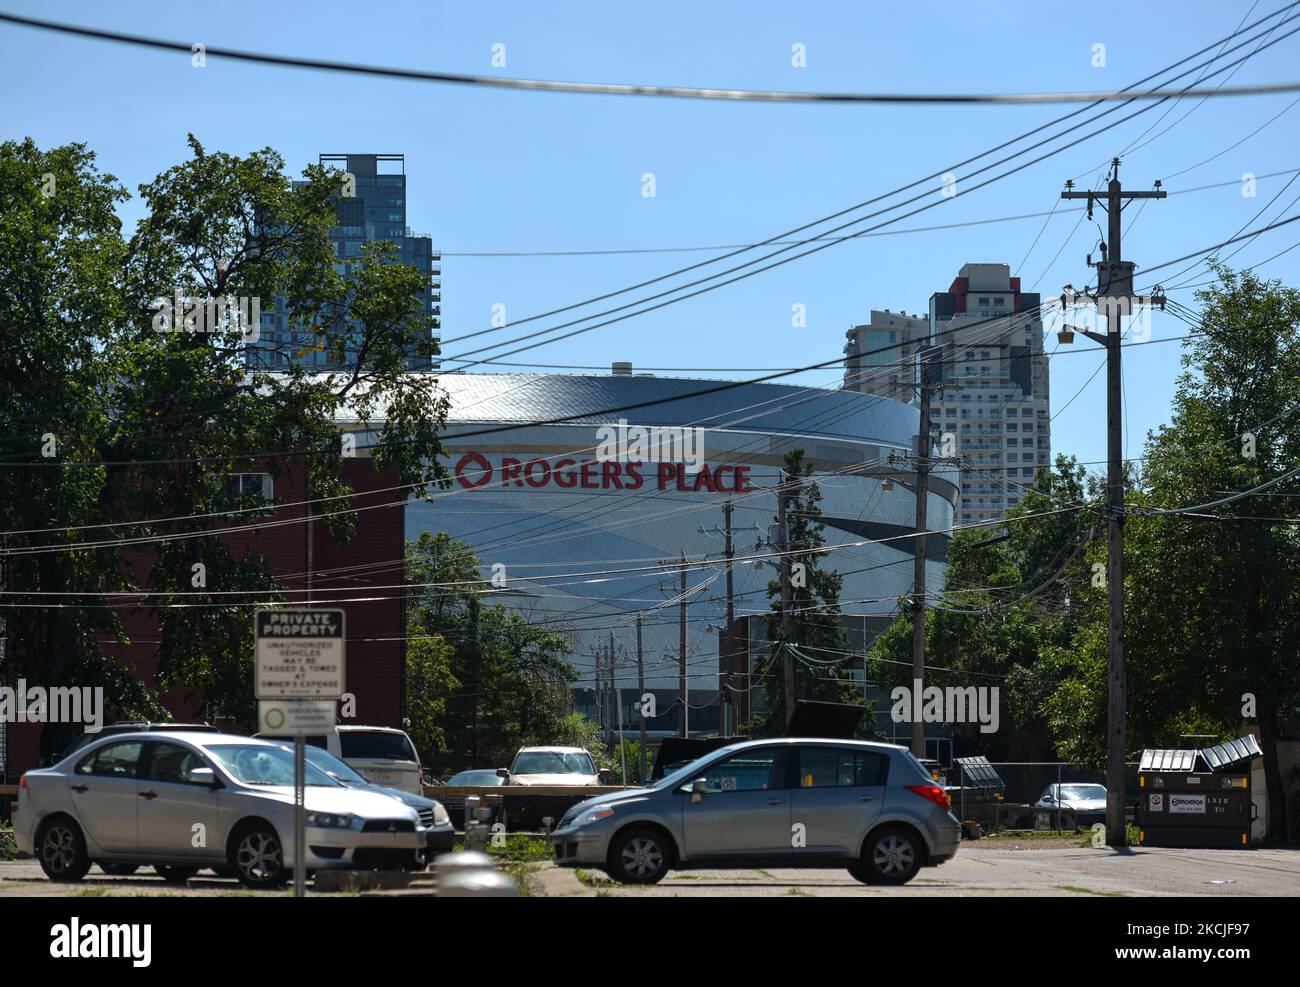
pixel 871 808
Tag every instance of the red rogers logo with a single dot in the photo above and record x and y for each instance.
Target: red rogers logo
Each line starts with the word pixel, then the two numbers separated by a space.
pixel 473 472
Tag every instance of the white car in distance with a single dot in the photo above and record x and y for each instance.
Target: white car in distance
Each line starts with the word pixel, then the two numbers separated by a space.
pixel 551 766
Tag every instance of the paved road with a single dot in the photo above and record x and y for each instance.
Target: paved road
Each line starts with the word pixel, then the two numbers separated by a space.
pixel 979 871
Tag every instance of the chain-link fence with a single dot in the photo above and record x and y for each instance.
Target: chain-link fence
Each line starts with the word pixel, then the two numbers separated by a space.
pixel 1042 795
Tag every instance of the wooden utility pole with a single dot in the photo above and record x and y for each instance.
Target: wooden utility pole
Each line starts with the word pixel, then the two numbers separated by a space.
pixel 617 718
pixel 681 647
pixel 640 691
pixel 919 544
pixel 1115 286
pixel 729 645
pixel 787 618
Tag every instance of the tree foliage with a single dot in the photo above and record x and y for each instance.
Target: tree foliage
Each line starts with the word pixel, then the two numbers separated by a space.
pixel 116 434
pixel 507 681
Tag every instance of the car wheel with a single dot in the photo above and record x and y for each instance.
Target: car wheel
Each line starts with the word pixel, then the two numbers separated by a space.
pixel 62 850
pixel 639 856
pixel 175 875
pixel 258 856
pixel 892 855
pixel 859 873
pixel 119 870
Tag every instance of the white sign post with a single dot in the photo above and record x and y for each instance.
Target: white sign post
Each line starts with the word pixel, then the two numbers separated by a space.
pixel 301 658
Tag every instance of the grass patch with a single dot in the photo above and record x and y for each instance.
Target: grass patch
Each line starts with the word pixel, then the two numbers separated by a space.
pixel 94 892
pixel 519 871
pixel 798 893
pixel 8 845
pixel 522 847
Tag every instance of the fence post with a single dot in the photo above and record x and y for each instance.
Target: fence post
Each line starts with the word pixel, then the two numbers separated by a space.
pixel 962 780
pixel 1058 796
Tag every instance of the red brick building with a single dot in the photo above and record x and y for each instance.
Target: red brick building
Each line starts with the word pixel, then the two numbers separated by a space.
pixel 350 576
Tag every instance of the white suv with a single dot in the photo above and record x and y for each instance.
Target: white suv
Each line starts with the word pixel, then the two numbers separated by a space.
pixel 383 755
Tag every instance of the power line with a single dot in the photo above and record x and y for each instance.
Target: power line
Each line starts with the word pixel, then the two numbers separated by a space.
pixel 624 89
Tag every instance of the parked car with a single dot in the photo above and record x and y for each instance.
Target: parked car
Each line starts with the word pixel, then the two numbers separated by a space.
pixel 136 799
pixel 131 726
pixel 551 766
pixel 1086 802
pixel 440 834
pixel 792 802
pixel 385 755
pixel 476 778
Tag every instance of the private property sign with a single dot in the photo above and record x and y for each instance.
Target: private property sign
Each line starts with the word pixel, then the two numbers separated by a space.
pixel 300 654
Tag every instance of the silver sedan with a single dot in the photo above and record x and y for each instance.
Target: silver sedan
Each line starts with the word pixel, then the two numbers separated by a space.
pixel 186 801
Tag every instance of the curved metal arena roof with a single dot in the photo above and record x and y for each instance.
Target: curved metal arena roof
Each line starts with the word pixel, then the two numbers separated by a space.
pixel 668 401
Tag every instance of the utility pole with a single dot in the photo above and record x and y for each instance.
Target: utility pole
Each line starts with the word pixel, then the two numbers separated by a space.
pixel 681 657
pixel 920 546
pixel 729 645
pixel 600 696
pixel 640 687
pixel 1115 286
pixel 787 618
pixel 613 691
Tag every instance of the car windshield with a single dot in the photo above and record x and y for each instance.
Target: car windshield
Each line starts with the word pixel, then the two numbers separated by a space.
pixel 264 764
pixel 1081 792
pixel 376 743
pixel 552 763
pixel 688 772
pixel 333 767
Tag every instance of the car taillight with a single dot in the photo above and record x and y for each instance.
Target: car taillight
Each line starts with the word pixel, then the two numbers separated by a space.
pixel 933 793
pixel 22 783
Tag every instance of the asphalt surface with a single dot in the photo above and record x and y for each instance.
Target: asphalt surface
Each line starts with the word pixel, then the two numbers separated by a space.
pixel 979 870
pixel 989 871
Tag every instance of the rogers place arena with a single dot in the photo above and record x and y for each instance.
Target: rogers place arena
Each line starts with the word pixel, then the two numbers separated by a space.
pixel 585 522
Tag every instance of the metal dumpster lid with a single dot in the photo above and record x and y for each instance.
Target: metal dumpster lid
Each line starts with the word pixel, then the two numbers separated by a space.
pixel 1168 760
pixel 1234 755
pixel 978 773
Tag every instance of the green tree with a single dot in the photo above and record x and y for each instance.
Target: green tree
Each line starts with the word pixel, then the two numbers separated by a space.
pixel 1212 595
pixel 118 437
pixel 1013 601
pixel 508 681
pixel 816 628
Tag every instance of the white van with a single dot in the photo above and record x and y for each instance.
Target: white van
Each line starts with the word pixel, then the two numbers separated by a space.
pixel 384 755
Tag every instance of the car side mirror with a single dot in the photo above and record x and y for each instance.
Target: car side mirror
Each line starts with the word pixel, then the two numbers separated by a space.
pixel 1048 798
pixel 607 776
pixel 201 776
pixel 503 773
pixel 697 790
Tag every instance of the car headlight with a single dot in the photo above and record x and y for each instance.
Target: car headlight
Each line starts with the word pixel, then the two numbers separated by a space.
pixel 594 816
pixel 329 820
pixel 440 814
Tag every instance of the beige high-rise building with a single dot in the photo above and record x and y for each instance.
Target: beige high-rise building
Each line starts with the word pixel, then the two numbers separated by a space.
pixel 984 337
pixel 996 399
pixel 883 350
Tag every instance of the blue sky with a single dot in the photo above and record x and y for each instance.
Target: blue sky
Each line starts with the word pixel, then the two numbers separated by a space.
pixel 501 171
